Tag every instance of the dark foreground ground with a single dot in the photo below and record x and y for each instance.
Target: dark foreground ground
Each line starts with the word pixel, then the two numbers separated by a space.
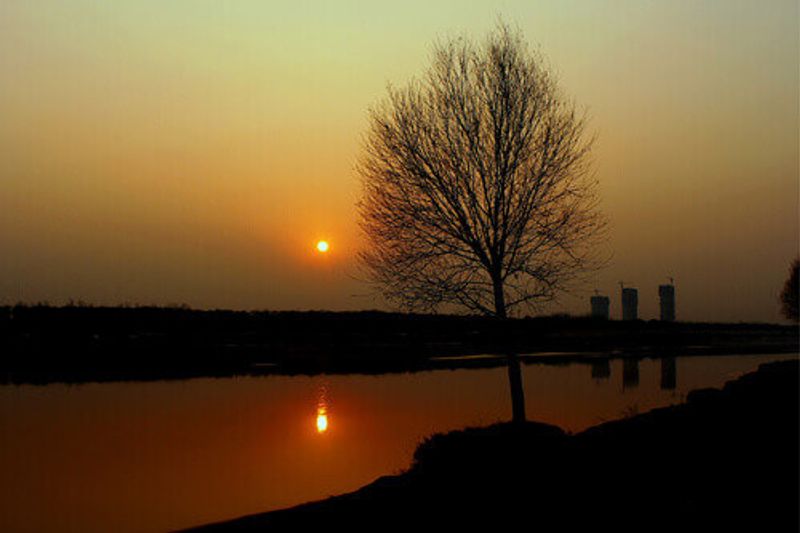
pixel 44 344
pixel 726 460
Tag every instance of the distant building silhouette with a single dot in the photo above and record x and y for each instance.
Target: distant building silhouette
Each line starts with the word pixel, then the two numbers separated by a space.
pixel 630 303
pixel 600 306
pixel 666 294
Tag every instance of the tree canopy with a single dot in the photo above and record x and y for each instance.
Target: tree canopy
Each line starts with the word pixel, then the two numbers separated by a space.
pixel 791 293
pixel 476 183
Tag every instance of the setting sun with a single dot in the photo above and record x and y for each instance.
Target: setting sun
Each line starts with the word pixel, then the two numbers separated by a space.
pixel 322 246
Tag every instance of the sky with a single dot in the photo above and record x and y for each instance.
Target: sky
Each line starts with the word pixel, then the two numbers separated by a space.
pixel 193 152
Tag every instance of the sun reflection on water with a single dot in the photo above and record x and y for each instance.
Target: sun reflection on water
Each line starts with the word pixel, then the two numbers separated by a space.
pixel 322 410
pixel 322 420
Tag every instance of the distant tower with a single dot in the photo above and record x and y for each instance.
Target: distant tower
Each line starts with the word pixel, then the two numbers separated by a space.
pixel 666 293
pixel 600 306
pixel 630 303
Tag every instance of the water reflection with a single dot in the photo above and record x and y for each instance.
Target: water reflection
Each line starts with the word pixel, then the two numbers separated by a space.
pixel 601 369
pixel 322 409
pixel 669 374
pixel 630 373
pixel 124 457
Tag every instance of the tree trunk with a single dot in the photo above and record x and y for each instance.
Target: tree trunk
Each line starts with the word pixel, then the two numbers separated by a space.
pixel 514 372
pixel 499 297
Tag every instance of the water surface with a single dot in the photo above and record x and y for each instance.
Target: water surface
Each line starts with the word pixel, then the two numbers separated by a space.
pixel 155 456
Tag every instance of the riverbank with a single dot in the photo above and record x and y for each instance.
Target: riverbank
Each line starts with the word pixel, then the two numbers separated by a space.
pixel 724 460
pixel 44 344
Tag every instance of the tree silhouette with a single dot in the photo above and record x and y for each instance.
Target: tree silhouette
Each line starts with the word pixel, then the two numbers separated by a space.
pixel 476 189
pixel 791 293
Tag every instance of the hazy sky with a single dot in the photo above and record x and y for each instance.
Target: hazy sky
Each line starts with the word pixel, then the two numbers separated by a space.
pixel 194 151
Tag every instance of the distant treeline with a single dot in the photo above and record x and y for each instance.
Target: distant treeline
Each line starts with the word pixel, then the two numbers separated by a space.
pixel 44 343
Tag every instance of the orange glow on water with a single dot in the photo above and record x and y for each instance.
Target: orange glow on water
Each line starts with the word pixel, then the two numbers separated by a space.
pixel 277 458
pixel 322 410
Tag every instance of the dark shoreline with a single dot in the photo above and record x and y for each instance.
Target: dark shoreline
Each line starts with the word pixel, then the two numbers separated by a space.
pixel 72 344
pixel 725 460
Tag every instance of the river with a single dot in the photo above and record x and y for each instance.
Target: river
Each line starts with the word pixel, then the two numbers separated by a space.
pixel 156 456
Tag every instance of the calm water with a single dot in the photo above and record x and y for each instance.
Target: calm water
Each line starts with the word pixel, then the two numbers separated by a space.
pixel 165 455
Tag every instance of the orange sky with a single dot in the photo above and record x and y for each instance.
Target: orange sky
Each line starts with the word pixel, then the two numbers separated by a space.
pixel 194 151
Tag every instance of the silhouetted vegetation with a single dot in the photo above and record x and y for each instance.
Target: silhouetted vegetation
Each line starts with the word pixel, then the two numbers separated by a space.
pixel 726 460
pixel 791 293
pixel 42 344
pixel 476 190
pixel 476 183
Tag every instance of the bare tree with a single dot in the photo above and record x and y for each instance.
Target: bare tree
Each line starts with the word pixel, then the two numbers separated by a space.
pixel 790 295
pixel 476 190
